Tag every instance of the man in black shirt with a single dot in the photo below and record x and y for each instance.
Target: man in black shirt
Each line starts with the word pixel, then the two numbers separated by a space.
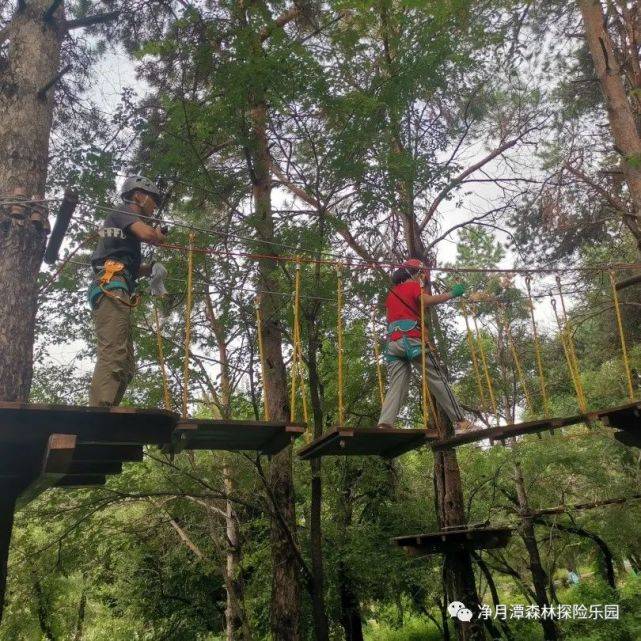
pixel 117 265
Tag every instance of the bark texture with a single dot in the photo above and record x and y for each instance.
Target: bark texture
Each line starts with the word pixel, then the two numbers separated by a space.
pixel 27 115
pixel 528 534
pixel 285 601
pixel 620 112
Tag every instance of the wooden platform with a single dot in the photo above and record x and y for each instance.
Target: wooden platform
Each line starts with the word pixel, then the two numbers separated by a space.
pixel 485 538
pixel 21 423
pixel 387 443
pixel 623 417
pixel 210 434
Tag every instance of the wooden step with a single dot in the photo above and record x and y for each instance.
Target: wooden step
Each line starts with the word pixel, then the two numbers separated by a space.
pixel 385 442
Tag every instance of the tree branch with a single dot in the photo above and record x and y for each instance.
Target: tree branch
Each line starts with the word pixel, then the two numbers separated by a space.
pixel 42 93
pixel 463 175
pixel 89 21
pixel 339 225
pixel 47 16
pixel 279 22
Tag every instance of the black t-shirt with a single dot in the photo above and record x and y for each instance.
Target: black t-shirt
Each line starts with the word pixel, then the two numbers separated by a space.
pixel 117 242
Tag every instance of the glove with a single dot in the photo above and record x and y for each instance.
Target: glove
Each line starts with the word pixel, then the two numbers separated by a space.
pixel 157 280
pixel 458 290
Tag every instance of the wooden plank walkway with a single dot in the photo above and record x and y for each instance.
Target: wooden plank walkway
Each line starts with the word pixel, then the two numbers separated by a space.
pixel 454 539
pixel 625 417
pixel 235 436
pixel 385 442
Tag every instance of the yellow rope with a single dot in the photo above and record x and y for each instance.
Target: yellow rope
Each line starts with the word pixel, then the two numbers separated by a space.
pixel 537 353
pixel 519 368
pixel 161 361
pixel 296 355
pixel 624 349
pixel 377 356
pixel 424 384
pixel 486 371
pixel 261 353
pixel 339 335
pixel 581 398
pixel 188 306
pixel 566 343
pixel 475 361
pixel 298 379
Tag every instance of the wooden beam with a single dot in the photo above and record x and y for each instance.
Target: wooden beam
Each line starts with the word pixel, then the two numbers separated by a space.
pixel 85 480
pixel 628 282
pixel 57 458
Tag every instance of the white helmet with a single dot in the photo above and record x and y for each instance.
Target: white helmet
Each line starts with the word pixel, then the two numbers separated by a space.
pixel 144 184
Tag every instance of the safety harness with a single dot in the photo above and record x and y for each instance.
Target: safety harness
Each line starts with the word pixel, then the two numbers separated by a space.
pixel 113 276
pixel 412 350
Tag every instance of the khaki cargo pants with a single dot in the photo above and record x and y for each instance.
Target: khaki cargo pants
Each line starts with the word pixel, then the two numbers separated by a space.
pixel 115 363
pixel 399 374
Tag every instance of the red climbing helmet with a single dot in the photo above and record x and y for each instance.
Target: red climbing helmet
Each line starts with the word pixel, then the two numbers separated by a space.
pixel 416 263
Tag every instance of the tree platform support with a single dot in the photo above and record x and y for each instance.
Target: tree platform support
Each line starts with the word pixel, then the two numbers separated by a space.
pixel 385 442
pixel 626 418
pixel 455 539
pixel 43 446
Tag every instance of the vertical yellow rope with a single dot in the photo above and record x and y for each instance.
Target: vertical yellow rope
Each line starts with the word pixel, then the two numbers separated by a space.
pixel 519 368
pixel 574 374
pixel 296 339
pixel 377 356
pixel 339 336
pixel 475 361
pixel 188 306
pixel 424 385
pixel 161 361
pixel 486 371
pixel 624 349
pixel 261 353
pixel 537 353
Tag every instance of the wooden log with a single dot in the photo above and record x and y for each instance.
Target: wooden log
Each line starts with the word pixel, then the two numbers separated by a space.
pixel 66 211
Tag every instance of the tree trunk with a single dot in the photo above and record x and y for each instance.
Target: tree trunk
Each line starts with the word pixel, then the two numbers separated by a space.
pixel 494 592
pixel 25 126
pixel 539 576
pixel 319 614
pixel 461 585
pixel 235 614
pixel 620 113
pixel 606 553
pixel 351 618
pixel 82 611
pixel 285 600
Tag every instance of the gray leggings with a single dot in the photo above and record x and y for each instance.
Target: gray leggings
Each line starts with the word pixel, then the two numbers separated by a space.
pixel 399 371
